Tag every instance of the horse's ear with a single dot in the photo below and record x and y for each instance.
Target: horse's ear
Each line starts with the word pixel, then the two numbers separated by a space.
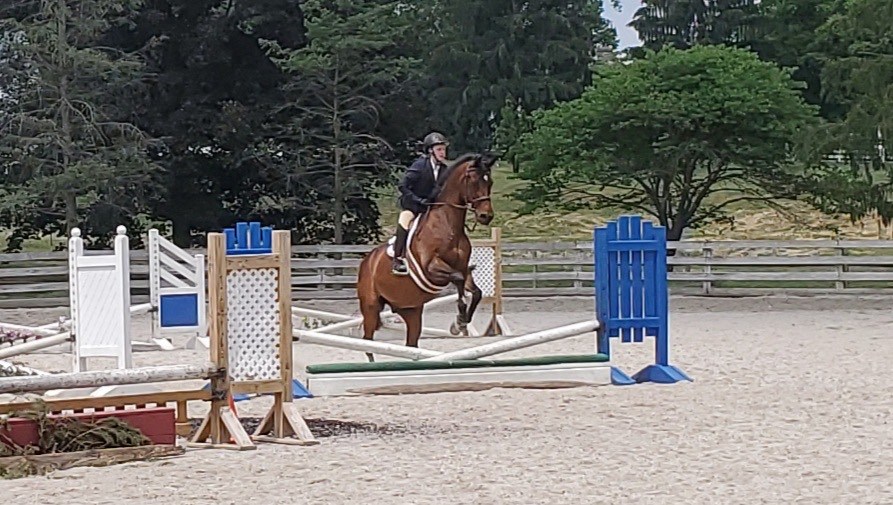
pixel 488 159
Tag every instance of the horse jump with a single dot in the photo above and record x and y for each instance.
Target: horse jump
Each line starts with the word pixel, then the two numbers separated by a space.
pixel 632 304
pixel 98 300
pixel 486 257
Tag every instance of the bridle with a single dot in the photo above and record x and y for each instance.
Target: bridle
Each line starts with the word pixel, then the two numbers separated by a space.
pixel 470 203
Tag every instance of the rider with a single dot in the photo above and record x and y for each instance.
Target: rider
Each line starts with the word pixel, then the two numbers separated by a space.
pixel 415 191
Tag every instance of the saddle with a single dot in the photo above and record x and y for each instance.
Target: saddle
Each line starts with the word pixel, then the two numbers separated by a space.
pixel 416 273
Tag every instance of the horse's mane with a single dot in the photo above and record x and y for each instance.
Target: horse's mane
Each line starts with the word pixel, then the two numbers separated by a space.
pixel 451 167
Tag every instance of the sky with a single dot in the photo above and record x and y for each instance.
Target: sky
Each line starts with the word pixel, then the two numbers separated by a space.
pixel 626 35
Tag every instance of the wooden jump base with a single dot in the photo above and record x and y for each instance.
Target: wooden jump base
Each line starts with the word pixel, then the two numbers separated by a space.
pixel 632 303
pixel 220 417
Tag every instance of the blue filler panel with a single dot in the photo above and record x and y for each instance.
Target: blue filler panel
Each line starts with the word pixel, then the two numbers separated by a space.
pixel 178 310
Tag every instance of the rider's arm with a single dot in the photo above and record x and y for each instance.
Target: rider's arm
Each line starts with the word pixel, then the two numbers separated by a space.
pixel 408 184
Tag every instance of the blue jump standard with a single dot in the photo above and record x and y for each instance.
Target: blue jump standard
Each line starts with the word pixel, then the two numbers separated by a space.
pixel 632 296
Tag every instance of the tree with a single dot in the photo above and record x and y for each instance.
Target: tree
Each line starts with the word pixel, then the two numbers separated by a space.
pixel 851 167
pixel 686 23
pixel 70 154
pixel 211 87
pixel 788 38
pixel 482 53
pixel 679 134
pixel 333 146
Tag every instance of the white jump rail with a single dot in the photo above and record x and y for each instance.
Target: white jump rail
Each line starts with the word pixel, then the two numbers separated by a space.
pixel 389 319
pixel 520 342
pixel 491 349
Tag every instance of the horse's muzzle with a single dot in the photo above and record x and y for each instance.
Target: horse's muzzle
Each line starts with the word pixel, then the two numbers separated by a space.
pixel 484 217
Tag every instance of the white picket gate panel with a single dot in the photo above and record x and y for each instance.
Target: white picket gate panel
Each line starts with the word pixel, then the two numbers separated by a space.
pixel 100 301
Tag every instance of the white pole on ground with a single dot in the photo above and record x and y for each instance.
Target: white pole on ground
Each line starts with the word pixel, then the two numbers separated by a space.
pixel 34 345
pixel 140 309
pixel 357 344
pixel 320 314
pixel 426 331
pixel 351 321
pixel 48 331
pixel 13 368
pixel 520 342
pixel 340 326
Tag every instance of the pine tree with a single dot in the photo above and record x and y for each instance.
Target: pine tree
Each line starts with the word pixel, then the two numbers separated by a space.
pixel 481 54
pixel 334 151
pixel 70 155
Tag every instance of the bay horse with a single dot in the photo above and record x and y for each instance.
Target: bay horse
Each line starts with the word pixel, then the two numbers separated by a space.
pixel 437 254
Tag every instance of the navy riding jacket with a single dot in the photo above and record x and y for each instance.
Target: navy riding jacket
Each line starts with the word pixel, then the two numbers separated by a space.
pixel 418 185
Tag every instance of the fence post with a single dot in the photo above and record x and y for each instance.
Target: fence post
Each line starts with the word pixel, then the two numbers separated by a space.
pixel 707 285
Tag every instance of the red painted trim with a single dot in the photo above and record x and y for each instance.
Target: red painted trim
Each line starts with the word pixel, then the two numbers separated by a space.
pixel 158 424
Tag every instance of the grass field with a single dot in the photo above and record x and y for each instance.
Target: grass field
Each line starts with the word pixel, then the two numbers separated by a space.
pixel 753 222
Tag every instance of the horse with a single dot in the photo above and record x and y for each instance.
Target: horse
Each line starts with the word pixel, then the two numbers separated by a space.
pixel 437 254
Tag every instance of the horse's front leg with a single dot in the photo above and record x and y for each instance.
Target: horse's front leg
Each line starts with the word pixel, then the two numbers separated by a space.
pixel 442 272
pixel 460 325
pixel 476 296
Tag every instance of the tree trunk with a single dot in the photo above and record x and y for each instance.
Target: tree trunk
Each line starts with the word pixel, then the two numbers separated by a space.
pixel 337 190
pixel 674 233
pixel 180 231
pixel 70 195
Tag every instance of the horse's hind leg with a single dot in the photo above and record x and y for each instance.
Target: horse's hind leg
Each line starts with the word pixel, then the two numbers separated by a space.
pixel 371 303
pixel 460 325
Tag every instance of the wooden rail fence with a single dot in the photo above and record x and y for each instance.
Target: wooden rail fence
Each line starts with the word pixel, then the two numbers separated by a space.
pixel 716 268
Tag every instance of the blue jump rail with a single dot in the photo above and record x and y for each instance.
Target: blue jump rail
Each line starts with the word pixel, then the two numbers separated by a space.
pixel 632 296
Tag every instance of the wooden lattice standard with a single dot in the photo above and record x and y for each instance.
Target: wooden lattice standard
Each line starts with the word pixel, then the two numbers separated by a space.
pixel 249 297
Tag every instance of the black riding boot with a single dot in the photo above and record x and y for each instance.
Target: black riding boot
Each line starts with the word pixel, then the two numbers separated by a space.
pixel 399 267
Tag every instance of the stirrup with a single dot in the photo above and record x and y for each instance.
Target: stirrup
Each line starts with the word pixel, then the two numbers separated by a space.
pixel 399 267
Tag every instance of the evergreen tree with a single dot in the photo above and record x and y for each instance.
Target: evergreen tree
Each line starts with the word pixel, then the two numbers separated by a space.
pixel 532 53
pixel 334 151
pixel 211 89
pixel 685 23
pixel 70 154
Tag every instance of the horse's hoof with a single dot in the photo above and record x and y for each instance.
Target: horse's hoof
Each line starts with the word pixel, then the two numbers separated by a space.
pixel 458 329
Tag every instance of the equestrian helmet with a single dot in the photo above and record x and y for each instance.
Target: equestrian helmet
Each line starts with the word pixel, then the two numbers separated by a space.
pixel 433 139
